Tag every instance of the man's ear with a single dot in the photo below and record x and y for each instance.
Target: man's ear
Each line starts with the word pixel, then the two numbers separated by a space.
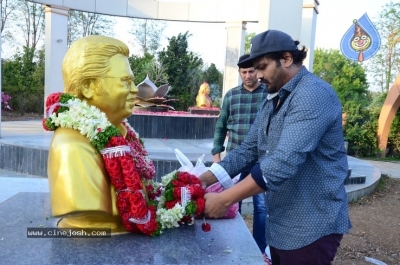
pixel 288 59
pixel 87 91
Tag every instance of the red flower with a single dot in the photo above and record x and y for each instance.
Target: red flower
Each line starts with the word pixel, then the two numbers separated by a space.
pixel 206 227
pixel 177 193
pixel 121 204
pixel 196 191
pixel 184 177
pixel 51 100
pixel 186 220
pixel 170 204
pixel 133 181
pixel 116 141
pixel 201 205
pixel 177 183
pixel 44 125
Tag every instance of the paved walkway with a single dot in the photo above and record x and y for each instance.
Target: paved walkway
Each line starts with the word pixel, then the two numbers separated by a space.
pixel 391 169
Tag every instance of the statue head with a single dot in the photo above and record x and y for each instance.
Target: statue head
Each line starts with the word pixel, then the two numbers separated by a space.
pixel 96 69
pixel 202 99
pixel 204 89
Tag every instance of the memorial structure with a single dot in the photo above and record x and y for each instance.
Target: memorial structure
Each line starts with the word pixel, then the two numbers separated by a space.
pixel 151 98
pixel 300 23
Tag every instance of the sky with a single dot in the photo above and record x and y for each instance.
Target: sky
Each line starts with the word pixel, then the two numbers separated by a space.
pixel 208 39
pixel 334 19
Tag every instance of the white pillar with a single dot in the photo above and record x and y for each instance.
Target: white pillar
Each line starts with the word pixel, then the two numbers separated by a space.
pixel 235 37
pixel 283 15
pixel 56 30
pixel 308 29
pixel 0 84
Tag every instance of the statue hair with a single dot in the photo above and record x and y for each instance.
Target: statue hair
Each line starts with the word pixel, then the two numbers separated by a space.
pixel 87 61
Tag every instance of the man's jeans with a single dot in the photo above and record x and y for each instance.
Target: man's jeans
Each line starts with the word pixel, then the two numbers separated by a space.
pixel 259 213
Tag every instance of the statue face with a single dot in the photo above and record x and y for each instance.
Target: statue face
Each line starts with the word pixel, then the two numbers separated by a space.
pixel 118 103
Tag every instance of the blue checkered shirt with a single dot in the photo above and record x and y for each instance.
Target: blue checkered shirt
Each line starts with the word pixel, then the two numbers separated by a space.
pixel 239 109
pixel 300 148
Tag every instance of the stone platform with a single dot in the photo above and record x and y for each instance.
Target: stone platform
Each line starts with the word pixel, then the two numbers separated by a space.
pixel 228 242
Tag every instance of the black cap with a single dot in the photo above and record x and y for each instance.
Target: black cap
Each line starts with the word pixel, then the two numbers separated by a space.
pixel 267 42
pixel 242 58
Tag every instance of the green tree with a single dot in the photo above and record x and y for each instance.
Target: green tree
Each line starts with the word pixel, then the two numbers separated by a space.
pixel 23 79
pixel 385 65
pixel 148 33
pixel 180 65
pixel 360 129
pixel 147 65
pixel 247 42
pixel 347 77
pixel 82 24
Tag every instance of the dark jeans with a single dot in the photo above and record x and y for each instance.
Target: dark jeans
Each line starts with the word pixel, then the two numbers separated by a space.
pixel 259 215
pixel 320 252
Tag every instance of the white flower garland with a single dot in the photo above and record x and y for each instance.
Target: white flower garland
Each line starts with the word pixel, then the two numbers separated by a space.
pixel 88 120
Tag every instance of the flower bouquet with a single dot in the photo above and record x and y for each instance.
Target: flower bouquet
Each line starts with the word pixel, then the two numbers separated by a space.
pixel 197 170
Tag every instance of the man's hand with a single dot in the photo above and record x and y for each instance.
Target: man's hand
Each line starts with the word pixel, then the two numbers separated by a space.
pixel 217 158
pixel 218 203
pixel 215 205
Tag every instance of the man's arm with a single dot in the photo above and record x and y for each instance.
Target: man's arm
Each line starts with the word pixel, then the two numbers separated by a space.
pixel 221 128
pixel 207 178
pixel 217 157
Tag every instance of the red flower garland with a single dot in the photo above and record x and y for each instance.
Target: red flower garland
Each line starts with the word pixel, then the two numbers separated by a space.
pixel 137 215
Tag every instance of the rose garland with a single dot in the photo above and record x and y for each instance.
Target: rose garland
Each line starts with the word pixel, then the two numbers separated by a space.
pixel 144 205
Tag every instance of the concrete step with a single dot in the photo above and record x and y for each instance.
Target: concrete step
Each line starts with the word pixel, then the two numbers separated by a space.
pixel 12 183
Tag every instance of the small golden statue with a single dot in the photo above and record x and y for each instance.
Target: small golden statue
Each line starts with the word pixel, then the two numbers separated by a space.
pixel 203 99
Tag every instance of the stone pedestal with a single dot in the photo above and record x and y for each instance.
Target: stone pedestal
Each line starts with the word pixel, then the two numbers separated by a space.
pixel 150 109
pixel 229 241
pixel 173 127
pixel 201 111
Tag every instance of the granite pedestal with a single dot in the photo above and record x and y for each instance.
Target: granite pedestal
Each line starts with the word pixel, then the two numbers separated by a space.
pixel 229 241
pixel 174 127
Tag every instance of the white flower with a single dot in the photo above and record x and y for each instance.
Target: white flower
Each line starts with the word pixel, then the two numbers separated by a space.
pixel 170 218
pixel 165 180
pixel 88 120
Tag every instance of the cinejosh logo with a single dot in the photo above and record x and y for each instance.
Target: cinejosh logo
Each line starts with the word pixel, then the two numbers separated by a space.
pixel 36 232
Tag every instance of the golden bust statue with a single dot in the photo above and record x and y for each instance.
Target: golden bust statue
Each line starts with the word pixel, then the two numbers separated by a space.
pixel 203 99
pixel 96 70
